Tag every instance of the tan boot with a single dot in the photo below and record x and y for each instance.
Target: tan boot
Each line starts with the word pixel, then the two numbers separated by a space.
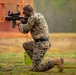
pixel 59 63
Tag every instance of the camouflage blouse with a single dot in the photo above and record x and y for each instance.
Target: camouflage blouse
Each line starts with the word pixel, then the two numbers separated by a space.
pixel 36 25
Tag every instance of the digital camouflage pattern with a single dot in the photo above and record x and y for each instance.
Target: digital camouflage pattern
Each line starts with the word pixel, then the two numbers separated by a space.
pixel 36 53
pixel 37 25
pixel 36 50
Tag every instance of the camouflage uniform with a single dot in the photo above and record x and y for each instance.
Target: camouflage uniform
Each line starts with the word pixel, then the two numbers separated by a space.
pixel 36 49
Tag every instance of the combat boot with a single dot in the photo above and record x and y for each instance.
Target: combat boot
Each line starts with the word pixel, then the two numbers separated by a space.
pixel 59 63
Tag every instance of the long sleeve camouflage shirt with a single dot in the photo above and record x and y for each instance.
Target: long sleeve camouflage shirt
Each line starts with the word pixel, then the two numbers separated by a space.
pixel 36 25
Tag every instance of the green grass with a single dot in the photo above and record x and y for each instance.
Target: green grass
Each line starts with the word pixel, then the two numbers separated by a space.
pixel 12 56
pixel 61 54
pixel 12 63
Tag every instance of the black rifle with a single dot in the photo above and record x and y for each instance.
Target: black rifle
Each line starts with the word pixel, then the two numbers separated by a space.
pixel 15 16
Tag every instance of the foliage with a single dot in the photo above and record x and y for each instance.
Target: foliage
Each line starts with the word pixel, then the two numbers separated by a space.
pixel 60 14
pixel 59 4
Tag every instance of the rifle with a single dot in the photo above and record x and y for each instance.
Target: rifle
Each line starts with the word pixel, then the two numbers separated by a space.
pixel 15 16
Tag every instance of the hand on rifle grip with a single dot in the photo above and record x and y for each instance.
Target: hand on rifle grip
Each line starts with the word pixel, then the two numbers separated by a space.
pixel 18 22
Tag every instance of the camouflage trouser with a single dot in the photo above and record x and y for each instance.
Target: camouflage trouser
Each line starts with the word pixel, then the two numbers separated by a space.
pixel 36 52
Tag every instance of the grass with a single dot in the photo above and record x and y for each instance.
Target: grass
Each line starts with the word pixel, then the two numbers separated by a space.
pixel 12 61
pixel 14 64
pixel 61 54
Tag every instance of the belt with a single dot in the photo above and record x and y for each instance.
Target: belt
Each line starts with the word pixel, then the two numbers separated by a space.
pixel 39 40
